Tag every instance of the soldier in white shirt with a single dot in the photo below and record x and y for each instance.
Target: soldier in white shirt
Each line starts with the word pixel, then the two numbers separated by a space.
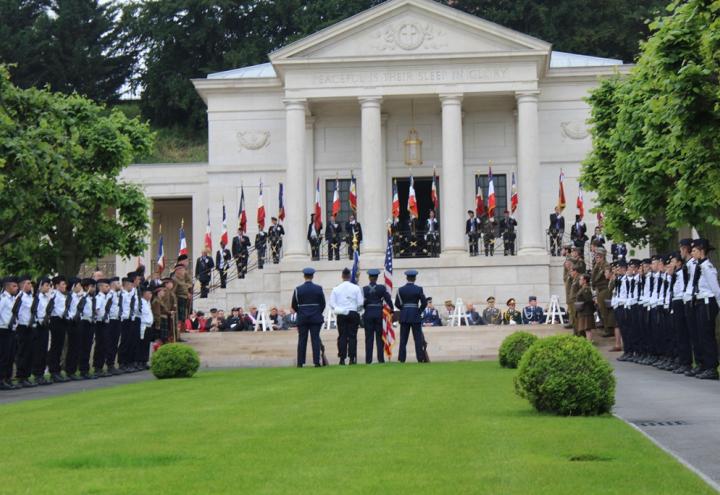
pixel 22 315
pixel 7 336
pixel 346 300
pixel 142 353
pixel 629 297
pixel 74 338
pixel 41 331
pixel 704 305
pixel 127 317
pixel 104 302
pixel 59 321
pixel 112 318
pixel 88 311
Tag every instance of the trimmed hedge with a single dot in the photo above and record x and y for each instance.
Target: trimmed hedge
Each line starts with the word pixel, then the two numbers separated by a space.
pixel 567 376
pixel 513 348
pixel 175 361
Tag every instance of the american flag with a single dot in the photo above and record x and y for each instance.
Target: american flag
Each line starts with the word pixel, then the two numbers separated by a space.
pixel 388 333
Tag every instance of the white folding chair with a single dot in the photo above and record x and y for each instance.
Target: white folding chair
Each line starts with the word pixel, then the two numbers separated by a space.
pixel 554 311
pixel 263 320
pixel 330 319
pixel 459 314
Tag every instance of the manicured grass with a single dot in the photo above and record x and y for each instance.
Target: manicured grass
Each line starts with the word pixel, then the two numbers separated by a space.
pixel 441 428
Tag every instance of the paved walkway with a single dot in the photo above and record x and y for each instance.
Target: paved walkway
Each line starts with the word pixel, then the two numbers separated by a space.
pixel 680 414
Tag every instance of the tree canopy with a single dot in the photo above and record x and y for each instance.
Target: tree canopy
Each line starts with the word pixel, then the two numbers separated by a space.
pixel 61 202
pixel 655 164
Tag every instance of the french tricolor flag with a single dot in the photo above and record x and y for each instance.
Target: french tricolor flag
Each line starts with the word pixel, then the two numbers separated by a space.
pixel 183 242
pixel 336 198
pixel 224 235
pixel 491 194
pixel 161 254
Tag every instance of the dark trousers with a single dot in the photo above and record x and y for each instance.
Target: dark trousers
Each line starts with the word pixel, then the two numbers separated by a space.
pixel 373 333
pixel 315 250
pixel 705 315
pixel 347 339
pixel 23 356
pixel 101 337
pixel 261 257
pixel 112 340
pixel 418 338
pixel 40 350
pixel 126 350
pixel 680 330
pixel 489 246
pixel 242 262
pixel 58 332
pixel 275 247
pixel 473 244
pixel 223 277
pixel 333 250
pixel 691 323
pixel 655 332
pixel 204 288
pixel 7 353
pixel 142 349
pixel 86 330
pixel 72 355
pixel 314 331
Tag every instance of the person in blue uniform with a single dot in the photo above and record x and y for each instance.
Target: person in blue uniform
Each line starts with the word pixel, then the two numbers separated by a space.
pixel 411 302
pixel 308 301
pixel 374 295
pixel 532 313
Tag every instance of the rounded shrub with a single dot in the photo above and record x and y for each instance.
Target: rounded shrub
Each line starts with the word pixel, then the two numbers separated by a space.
pixel 513 348
pixel 566 375
pixel 175 361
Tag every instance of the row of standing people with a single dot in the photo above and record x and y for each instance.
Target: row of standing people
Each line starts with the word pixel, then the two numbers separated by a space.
pixel 485 229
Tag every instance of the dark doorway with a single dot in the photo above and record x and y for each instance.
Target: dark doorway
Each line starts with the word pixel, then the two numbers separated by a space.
pixel 409 242
pixel 423 186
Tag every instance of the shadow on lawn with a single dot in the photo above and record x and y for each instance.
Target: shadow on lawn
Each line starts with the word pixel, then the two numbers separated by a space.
pixel 117 460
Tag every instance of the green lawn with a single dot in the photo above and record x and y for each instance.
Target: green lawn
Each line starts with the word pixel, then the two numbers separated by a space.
pixel 440 428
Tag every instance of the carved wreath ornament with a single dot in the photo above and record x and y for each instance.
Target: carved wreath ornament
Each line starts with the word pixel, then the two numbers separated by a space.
pixel 253 140
pixel 408 36
pixel 574 130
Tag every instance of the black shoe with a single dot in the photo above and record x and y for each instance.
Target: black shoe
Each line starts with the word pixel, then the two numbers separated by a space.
pixel 5 386
pixel 75 377
pixel 353 360
pixel 693 372
pixel 299 366
pixel 681 370
pixel 624 357
pixel 26 383
pixel 103 374
pixel 318 366
pixel 43 381
pixel 709 374
pixel 9 385
pixel 342 362
pixel 58 378
pixel 88 376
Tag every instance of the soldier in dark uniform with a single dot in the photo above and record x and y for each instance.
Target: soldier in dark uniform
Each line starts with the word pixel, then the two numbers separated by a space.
pixel 432 235
pixel 556 230
pixel 472 230
pixel 507 231
pixel 314 237
pixel 374 295
pixel 241 252
pixel 308 301
pixel 203 272
pixel 222 264
pixel 260 247
pixel 275 233
pixel 353 236
pixel 489 235
pixel 411 302
pixel 532 313
pixel 704 295
pixel 578 233
pixel 397 236
pixel 333 234
pixel 618 251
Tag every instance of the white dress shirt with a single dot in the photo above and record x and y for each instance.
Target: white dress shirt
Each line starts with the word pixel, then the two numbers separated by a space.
pixel 59 304
pixel 708 286
pixel 6 305
pixel 146 318
pixel 43 301
pixel 346 297
pixel 679 287
pixel 23 316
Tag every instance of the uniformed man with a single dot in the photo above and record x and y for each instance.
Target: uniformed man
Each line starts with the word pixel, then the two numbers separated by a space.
pixel 240 251
pixel 261 247
pixel 578 233
pixel 182 291
pixel 491 314
pixel 203 272
pixel 21 323
pixel 532 313
pixel 73 335
pixel 374 296
pixel 489 235
pixel 41 329
pixel 507 232
pixel 171 306
pixel 472 230
pixel 556 230
pixel 59 308
pixel 7 336
pixel 161 312
pixel 314 237
pixel 346 300
pixel 222 264
pixel 432 235
pixel 575 272
pixel 146 334
pixel 618 251
pixel 308 301
pixel 128 306
pixel 333 235
pixel 599 284
pixel 275 234
pixel 411 302
pixel 431 316
pixel 87 318
pixel 511 316
pixel 102 327
pixel 353 236
pixel 677 306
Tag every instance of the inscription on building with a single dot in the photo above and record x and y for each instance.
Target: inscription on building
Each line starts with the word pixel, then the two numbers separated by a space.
pixel 459 75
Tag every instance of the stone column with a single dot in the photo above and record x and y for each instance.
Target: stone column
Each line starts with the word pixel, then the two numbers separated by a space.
pixel 296 177
pixel 452 187
pixel 371 181
pixel 530 226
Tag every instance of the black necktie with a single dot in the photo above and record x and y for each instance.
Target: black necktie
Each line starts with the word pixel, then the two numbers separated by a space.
pixel 108 305
pixel 94 308
pixel 132 307
pixel 33 309
pixel 696 277
pixel 120 297
pixel 68 300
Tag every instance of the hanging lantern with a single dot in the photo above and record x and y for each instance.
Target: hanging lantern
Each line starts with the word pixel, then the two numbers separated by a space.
pixel 413 149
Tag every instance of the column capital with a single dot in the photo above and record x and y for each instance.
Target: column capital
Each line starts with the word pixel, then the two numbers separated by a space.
pixel 451 98
pixel 527 96
pixel 295 103
pixel 370 101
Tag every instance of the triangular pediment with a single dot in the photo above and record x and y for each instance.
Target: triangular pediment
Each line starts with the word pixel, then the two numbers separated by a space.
pixel 409 28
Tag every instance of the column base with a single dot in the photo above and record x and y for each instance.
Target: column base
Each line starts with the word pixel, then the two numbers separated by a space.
pixel 296 257
pixel 452 252
pixel 532 251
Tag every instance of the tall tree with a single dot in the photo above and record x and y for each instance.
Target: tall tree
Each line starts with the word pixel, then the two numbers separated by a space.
pixel 61 201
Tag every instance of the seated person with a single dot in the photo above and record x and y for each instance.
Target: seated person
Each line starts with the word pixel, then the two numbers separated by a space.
pixel 213 323
pixel 275 322
pixel 449 309
pixel 533 314
pixel 431 317
pixel 491 315
pixel 253 315
pixel 195 322
pixel 473 316
pixel 512 316
pixel 233 323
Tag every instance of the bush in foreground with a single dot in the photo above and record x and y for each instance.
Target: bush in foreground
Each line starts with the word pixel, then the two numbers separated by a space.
pixel 175 361
pixel 513 348
pixel 566 375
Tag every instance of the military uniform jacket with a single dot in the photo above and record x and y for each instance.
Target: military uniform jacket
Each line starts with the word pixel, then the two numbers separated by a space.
pixel 311 231
pixel 584 295
pixel 411 302
pixel 472 225
pixel 222 259
pixel 532 314
pixel 240 244
pixel 203 268
pixel 374 295
pixel 597 277
pixel 333 232
pixel 507 225
pixel 182 287
pixel 260 240
pixel 308 301
pixel 275 232
pixel 492 316
pixel 354 230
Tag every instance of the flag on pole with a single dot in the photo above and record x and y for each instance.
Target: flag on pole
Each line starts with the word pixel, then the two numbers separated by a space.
pixel 434 192
pixel 395 201
pixel 183 242
pixel 224 234
pixel 281 204
pixel 513 195
pixel 412 200
pixel 479 200
pixel 388 334
pixel 353 194
pixel 561 193
pixel 242 216
pixel 356 263
pixel 208 233
pixel 600 218
pixel 161 253
pixel 261 210
pixel 580 203
pixel 491 194
pixel 318 208
pixel 336 198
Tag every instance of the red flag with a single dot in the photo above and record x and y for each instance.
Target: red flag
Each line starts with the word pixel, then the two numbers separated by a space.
pixel 261 210
pixel 281 204
pixel 514 195
pixel 318 208
pixel 580 203
pixel 561 193
pixel 479 200
pixel 491 194
pixel 434 192
pixel 353 193
pixel 208 233
pixel 395 201
pixel 242 216
pixel 224 234
pixel 336 198
pixel 412 200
